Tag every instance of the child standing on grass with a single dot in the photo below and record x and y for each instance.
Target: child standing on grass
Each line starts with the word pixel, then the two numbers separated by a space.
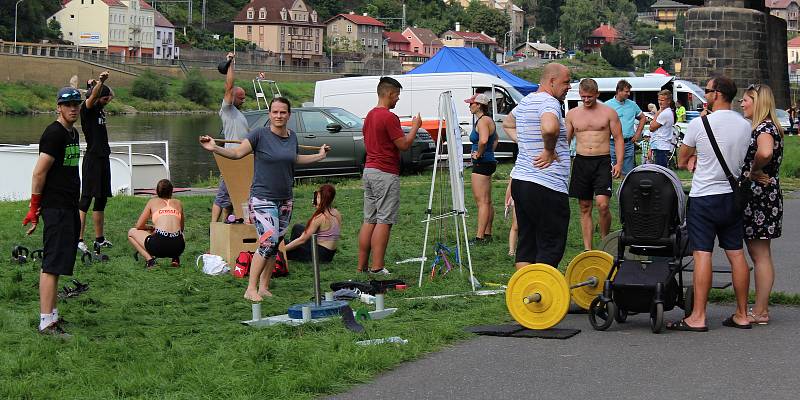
pixel 55 188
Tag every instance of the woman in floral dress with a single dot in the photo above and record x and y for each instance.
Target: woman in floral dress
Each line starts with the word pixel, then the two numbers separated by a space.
pixel 763 215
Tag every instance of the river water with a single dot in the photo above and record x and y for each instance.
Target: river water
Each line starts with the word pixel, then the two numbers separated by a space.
pixel 188 161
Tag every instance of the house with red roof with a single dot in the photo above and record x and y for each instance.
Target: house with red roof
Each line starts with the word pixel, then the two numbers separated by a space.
pixel 422 41
pixel 118 27
pixel 788 10
pixel 600 36
pixel 395 41
pixel 793 50
pixel 399 47
pixel 355 33
pixel 289 28
pixel 458 38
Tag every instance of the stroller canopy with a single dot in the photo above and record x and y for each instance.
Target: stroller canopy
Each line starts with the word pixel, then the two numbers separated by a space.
pixel 676 183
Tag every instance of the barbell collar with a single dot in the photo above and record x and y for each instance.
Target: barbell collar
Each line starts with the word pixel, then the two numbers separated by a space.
pixel 532 298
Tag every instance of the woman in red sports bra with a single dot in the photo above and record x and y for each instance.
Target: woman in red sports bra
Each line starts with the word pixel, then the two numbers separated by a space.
pixel 326 222
pixel 165 237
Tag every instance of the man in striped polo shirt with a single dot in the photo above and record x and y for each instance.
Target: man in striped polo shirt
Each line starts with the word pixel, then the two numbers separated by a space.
pixel 540 175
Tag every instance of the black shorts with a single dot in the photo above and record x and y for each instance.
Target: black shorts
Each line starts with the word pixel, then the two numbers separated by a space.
pixel 591 176
pixel 543 221
pixel 165 244
pixel 484 168
pixel 96 176
pixel 303 252
pixel 61 229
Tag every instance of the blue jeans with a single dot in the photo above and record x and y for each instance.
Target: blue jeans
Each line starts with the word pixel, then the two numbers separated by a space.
pixel 628 162
pixel 661 157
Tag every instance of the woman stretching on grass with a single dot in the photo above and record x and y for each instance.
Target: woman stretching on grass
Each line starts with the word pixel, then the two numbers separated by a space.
pixel 165 237
pixel 326 222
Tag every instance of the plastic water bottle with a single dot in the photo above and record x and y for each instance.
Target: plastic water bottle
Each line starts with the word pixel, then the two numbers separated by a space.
pixel 367 298
pixel 393 339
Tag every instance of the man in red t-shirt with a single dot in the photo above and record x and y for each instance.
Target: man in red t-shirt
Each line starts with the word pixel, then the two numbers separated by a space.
pixel 383 140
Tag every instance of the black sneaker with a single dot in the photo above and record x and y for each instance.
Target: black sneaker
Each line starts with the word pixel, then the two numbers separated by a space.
pixel 55 330
pixel 150 264
pixel 477 241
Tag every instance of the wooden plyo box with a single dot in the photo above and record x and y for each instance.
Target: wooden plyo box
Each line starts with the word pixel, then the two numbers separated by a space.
pixel 228 240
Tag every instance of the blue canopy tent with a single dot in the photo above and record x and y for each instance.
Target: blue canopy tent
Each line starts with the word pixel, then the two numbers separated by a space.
pixel 470 59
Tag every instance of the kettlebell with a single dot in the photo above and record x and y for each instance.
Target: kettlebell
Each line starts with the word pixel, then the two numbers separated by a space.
pixel 20 254
pixel 223 66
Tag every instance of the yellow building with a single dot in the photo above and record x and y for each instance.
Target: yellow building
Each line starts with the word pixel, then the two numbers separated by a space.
pixel 121 27
pixel 668 11
pixel 289 28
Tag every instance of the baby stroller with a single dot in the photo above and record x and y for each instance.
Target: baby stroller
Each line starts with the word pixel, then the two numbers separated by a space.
pixel 652 212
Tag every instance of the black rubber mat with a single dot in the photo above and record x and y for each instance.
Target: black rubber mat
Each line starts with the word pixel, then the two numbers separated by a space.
pixel 516 330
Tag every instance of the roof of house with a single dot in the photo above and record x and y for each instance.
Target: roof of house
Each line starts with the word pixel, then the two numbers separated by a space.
pixel 395 37
pixel 670 4
pixel 426 36
pixel 605 31
pixel 472 36
pixel 778 3
pixel 273 8
pixel 358 19
pixel 538 46
pixel 108 2
pixel 161 21
pixel 793 42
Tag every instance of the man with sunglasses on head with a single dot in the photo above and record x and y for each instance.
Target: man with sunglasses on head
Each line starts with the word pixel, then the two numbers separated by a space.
pixel 55 188
pixel 711 211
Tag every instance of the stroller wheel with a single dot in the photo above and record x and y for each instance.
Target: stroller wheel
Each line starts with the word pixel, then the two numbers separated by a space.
pixel 601 315
pixel 657 318
pixel 688 301
pixel 621 315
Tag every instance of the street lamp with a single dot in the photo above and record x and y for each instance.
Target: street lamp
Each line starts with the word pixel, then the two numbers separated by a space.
pixel 383 56
pixel 528 34
pixel 505 45
pixel 651 50
pixel 330 46
pixel 15 25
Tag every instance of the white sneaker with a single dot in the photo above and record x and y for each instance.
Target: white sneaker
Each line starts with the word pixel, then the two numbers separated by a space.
pixel 382 271
pixel 82 247
pixel 104 243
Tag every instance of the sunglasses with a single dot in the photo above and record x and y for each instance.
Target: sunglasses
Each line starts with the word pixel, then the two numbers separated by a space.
pixel 756 87
pixel 707 90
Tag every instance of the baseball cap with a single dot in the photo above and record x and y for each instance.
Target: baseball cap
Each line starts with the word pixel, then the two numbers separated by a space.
pixel 479 98
pixel 68 95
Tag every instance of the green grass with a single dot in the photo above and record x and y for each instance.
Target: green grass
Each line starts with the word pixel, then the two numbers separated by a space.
pixel 23 98
pixel 176 333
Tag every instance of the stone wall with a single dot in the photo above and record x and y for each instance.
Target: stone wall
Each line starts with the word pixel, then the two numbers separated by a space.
pixel 737 42
pixel 778 68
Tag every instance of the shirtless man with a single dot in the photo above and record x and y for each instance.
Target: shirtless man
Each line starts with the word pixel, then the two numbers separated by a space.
pixel 592 125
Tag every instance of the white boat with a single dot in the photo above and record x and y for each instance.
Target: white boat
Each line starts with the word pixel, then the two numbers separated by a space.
pixel 130 169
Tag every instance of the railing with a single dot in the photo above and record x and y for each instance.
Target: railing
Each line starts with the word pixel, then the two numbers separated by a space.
pixel 136 65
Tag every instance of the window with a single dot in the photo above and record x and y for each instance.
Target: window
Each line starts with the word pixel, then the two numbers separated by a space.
pixel 158 51
pixel 336 29
pixel 158 35
pixel 249 29
pixel 363 41
pixel 283 30
pixel 375 29
pixel 316 121
pixel 72 16
pixel 261 30
pixel 283 13
pixel 448 37
pixel 349 28
pixel 363 28
pixel 308 46
pixel 262 13
pixel 250 13
pixel 282 46
pixel 316 47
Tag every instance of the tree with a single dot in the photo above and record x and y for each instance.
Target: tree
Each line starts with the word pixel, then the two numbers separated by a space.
pixel 32 23
pixel 326 8
pixel 53 32
pixel 578 19
pixel 491 21
pixel 547 14
pixel 195 88
pixel 617 54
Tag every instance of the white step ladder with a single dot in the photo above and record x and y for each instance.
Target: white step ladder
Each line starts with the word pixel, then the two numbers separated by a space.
pixel 259 90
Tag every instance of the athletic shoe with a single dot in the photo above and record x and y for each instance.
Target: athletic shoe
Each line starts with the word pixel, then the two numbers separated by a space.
pixel 382 271
pixel 82 247
pixel 176 263
pixel 150 264
pixel 104 243
pixel 56 330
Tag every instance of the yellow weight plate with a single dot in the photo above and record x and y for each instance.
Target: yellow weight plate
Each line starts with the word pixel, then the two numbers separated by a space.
pixel 550 284
pixel 593 263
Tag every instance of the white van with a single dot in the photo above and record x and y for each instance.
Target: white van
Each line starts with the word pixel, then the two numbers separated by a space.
pixel 644 90
pixel 420 94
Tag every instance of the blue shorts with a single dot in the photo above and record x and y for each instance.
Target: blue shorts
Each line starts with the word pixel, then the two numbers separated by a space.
pixel 271 218
pixel 712 217
pixel 223 199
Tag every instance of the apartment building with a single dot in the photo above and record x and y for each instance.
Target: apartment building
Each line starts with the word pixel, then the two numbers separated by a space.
pixel 358 31
pixel 289 28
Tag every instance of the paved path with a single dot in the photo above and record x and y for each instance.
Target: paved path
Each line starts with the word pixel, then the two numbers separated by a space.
pixel 625 362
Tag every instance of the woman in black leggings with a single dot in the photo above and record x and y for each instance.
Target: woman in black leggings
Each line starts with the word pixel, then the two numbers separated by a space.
pixel 165 237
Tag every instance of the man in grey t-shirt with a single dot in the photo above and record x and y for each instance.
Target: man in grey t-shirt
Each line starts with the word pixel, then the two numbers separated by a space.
pixel 234 127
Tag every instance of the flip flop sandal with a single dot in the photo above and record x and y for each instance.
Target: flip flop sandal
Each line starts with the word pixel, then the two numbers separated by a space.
pixel 762 319
pixel 729 322
pixel 683 326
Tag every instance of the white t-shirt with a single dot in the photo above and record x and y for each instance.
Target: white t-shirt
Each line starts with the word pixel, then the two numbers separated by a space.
pixel 732 133
pixel 661 138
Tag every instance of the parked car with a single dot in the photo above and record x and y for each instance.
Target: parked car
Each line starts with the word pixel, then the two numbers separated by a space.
pixel 783 118
pixel 341 130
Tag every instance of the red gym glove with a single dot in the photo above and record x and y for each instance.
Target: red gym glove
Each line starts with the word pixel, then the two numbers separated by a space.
pixel 33 212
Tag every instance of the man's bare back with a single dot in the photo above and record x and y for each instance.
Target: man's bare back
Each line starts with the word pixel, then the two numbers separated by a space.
pixel 591 127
